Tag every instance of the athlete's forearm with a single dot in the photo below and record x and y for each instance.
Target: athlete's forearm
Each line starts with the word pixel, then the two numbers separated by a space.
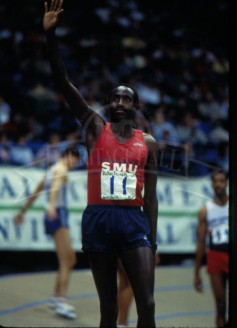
pixel 150 208
pixel 201 239
pixel 29 202
pixel 32 197
pixel 200 252
pixel 150 197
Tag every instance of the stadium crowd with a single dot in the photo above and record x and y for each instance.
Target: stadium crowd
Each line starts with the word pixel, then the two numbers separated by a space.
pixel 175 54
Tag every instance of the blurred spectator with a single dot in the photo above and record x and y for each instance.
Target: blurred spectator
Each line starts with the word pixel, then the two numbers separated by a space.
pixel 50 152
pixel 73 139
pixel 210 107
pixel 43 99
pixel 34 127
pixel 5 147
pixel 217 133
pixel 195 93
pixel 189 131
pixel 224 105
pixel 220 65
pixel 21 153
pixel 162 129
pixel 16 126
pixel 149 93
pixel 5 111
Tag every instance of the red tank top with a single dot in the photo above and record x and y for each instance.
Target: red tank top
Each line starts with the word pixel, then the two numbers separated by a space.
pixel 116 170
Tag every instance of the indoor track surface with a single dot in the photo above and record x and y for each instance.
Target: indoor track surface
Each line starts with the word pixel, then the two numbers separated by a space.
pixel 24 300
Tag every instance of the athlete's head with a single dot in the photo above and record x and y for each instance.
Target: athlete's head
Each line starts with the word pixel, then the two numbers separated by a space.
pixel 122 103
pixel 219 183
pixel 72 156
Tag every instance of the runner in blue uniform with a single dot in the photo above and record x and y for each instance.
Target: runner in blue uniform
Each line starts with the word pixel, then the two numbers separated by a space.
pixel 57 225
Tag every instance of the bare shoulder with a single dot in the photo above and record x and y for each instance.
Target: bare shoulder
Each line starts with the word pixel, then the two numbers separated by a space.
pixel 150 141
pixel 202 213
pixel 60 171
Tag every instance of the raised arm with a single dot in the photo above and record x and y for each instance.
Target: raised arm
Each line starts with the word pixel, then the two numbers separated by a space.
pixel 73 97
pixel 150 198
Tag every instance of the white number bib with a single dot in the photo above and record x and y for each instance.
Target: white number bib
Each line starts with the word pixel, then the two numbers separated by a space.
pixel 118 185
pixel 220 235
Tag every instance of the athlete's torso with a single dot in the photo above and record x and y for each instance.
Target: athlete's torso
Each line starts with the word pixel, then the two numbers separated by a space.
pixel 217 225
pixel 61 200
pixel 116 170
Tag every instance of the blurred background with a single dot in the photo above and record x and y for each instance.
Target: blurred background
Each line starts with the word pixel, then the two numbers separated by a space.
pixel 175 53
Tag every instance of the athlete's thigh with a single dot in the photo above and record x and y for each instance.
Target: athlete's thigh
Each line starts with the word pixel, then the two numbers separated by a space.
pixel 139 264
pixel 63 242
pixel 104 270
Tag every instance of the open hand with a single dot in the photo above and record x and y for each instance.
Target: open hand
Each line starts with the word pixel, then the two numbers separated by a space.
pixel 51 14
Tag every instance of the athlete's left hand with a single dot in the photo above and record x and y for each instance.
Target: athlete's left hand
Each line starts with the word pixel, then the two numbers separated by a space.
pixel 51 213
pixel 198 283
pixel 19 218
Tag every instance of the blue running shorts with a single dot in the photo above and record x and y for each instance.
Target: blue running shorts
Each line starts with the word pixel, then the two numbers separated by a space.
pixel 52 225
pixel 114 228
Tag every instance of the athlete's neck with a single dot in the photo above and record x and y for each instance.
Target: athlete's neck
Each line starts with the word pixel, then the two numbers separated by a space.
pixel 122 129
pixel 221 200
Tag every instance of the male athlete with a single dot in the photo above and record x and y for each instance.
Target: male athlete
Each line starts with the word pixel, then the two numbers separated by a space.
pixel 119 220
pixel 213 222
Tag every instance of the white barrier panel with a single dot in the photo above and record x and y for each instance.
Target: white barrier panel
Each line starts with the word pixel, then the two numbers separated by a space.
pixel 179 201
pixel 30 235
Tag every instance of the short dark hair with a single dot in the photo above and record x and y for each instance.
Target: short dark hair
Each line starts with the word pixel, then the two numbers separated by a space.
pixel 219 172
pixel 71 151
pixel 107 98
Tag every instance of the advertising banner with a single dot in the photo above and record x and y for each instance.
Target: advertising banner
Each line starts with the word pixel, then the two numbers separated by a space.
pixel 179 202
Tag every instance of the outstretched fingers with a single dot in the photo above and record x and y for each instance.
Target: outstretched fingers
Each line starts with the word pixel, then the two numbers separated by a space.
pixel 56 5
pixel 60 4
pixel 53 5
pixel 46 7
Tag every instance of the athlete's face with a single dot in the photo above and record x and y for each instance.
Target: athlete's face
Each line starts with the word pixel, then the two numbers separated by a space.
pixel 72 161
pixel 219 184
pixel 121 106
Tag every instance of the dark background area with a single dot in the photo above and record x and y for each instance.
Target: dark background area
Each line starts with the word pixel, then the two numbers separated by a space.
pixel 37 261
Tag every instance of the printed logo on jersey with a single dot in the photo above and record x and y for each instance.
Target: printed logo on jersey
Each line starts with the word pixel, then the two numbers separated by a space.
pixel 137 144
pixel 119 167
